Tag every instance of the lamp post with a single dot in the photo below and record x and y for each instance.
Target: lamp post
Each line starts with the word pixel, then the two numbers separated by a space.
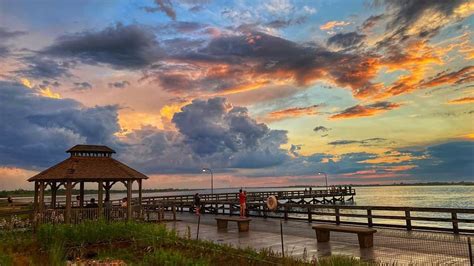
pixel 205 170
pixel 326 177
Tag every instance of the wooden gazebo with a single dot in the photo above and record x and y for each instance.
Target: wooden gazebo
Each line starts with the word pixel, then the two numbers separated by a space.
pixel 86 164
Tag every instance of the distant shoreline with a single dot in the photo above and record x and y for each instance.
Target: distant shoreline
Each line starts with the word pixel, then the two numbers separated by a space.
pixel 23 192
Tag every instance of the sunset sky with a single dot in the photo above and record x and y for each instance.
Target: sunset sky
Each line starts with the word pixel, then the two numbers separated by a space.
pixel 265 93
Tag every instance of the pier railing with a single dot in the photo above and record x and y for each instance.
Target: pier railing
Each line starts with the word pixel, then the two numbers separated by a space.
pixel 453 220
pixel 260 196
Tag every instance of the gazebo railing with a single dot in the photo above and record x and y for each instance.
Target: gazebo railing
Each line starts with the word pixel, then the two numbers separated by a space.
pixel 78 215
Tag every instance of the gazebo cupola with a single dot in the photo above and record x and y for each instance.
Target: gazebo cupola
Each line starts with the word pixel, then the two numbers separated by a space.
pixel 90 151
pixel 86 164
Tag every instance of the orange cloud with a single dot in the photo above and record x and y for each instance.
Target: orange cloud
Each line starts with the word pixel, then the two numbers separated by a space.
pixel 462 100
pixel 464 75
pixel 366 110
pixel 333 24
pixel 293 112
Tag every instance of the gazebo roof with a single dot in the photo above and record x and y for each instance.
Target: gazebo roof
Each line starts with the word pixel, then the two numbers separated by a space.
pixel 90 148
pixel 89 168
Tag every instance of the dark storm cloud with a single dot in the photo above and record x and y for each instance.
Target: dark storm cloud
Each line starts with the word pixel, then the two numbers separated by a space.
pixel 210 132
pixel 364 142
pixel 446 161
pixel 38 67
pixel 6 34
pixel 37 130
pixel 220 127
pixel 120 46
pixel 346 40
pixel 119 84
pixel 321 129
pixel 252 55
pixel 82 86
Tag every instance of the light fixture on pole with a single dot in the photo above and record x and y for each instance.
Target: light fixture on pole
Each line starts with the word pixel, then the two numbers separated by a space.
pixel 208 170
pixel 326 177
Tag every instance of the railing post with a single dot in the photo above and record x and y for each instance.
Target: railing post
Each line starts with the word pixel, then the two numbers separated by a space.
pixel 408 219
pixel 338 219
pixel 310 215
pixel 286 212
pixel 469 247
pixel 174 212
pixel 369 217
pixel 265 211
pixel 454 217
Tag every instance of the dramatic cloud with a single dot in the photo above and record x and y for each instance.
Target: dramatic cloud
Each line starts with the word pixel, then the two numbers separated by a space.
pixel 346 40
pixel 119 46
pixel 39 129
pixel 293 112
pixel 212 133
pixel 366 110
pixel 119 84
pixel 254 60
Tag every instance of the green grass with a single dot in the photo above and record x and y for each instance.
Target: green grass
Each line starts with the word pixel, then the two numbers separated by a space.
pixel 134 243
pixel 337 260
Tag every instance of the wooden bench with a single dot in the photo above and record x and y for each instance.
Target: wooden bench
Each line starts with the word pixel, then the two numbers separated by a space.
pixel 365 235
pixel 243 223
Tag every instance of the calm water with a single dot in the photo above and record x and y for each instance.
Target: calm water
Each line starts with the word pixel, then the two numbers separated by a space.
pixel 407 196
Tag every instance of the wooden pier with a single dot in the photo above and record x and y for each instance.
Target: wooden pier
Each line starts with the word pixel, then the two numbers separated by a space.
pixel 391 247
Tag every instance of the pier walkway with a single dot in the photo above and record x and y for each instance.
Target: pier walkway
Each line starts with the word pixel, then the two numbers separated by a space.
pixel 391 247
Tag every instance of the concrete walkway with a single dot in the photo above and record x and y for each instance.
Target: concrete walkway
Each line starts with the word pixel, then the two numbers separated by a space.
pixel 390 246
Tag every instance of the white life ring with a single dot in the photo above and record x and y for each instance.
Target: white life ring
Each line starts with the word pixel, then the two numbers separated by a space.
pixel 272 203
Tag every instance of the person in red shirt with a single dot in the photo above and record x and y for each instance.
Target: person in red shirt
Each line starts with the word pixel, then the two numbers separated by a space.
pixel 243 203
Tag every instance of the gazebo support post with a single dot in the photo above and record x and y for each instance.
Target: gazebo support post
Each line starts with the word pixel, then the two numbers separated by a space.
pixel 129 200
pixel 68 201
pixel 107 187
pixel 35 203
pixel 81 194
pixel 140 198
pixel 41 197
pixel 54 189
pixel 101 192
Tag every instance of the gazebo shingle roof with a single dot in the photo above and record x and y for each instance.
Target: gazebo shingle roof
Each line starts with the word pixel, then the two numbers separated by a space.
pixel 85 168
